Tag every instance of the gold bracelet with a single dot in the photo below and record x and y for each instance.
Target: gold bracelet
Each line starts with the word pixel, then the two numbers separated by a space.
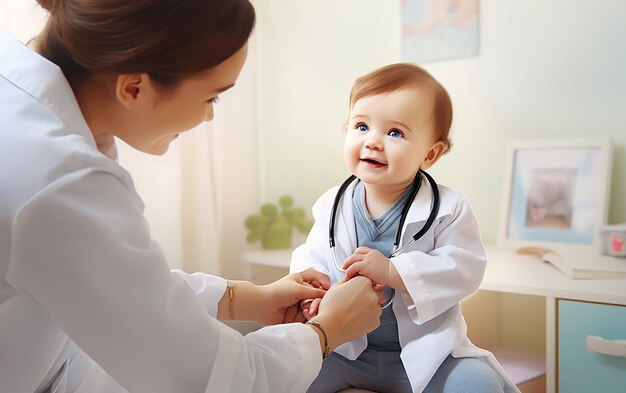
pixel 326 342
pixel 231 297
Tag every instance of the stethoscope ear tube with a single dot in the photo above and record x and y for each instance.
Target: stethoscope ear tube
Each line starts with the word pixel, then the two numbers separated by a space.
pixel 434 210
pixel 333 212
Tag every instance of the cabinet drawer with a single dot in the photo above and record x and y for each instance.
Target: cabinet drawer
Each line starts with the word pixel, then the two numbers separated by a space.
pixel 578 369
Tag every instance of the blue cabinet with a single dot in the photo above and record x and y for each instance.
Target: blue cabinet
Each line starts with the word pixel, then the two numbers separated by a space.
pixel 581 371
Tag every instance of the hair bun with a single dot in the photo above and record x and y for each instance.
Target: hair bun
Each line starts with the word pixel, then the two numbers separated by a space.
pixel 49 5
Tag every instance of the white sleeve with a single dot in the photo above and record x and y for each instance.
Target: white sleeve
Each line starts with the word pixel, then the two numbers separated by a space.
pixel 82 250
pixel 453 270
pixel 208 288
pixel 314 252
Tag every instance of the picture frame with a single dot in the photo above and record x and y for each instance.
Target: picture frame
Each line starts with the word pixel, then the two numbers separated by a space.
pixel 555 193
pixel 437 30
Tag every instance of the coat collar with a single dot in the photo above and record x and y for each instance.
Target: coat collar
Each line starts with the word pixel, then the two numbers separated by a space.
pixel 44 81
pixel 345 228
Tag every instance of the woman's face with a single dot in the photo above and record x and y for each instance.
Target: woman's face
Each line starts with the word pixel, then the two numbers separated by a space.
pixel 159 117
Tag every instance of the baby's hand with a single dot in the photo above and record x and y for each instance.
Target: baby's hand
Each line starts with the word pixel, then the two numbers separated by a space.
pixel 310 307
pixel 369 263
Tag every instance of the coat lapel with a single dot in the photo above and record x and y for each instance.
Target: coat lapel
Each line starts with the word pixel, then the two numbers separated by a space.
pixel 345 234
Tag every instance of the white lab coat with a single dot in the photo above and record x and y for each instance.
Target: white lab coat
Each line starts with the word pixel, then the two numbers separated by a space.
pixel 81 278
pixel 439 270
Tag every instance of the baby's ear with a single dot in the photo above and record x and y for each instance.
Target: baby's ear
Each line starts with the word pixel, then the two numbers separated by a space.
pixel 432 156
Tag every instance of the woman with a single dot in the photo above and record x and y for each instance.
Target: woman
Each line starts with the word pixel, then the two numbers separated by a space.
pixel 87 302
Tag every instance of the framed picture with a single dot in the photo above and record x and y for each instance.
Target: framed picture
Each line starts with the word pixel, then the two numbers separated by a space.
pixel 434 30
pixel 555 193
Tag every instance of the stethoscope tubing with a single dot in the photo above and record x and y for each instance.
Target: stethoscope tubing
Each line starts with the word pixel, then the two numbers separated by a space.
pixel 415 186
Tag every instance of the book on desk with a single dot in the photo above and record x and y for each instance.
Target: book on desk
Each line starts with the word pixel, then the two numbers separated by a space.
pixel 580 265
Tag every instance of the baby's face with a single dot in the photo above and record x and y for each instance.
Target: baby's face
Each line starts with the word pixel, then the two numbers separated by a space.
pixel 389 135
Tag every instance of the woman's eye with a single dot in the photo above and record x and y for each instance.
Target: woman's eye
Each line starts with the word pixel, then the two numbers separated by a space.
pixel 395 133
pixel 213 100
pixel 362 127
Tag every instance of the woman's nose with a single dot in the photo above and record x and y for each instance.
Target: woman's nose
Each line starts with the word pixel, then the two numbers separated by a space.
pixel 209 115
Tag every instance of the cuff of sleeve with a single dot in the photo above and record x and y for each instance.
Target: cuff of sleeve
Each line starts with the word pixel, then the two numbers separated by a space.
pixel 226 360
pixel 418 300
pixel 209 289
pixel 309 346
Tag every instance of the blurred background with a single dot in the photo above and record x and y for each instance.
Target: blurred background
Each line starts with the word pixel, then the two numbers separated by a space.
pixel 543 69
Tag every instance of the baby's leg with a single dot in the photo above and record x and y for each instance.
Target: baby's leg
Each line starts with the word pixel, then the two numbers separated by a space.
pixel 465 375
pixel 332 377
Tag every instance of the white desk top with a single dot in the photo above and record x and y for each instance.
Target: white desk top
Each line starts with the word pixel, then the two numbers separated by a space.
pixel 506 272
pixel 510 272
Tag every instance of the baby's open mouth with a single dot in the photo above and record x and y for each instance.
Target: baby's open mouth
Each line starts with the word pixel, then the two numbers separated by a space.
pixel 372 162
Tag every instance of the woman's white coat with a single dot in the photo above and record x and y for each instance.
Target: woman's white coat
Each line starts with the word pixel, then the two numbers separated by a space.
pixel 87 300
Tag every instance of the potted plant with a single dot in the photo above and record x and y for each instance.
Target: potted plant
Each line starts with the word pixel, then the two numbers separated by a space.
pixel 274 225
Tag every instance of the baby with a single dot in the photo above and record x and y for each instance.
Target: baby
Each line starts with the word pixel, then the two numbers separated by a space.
pixel 398 127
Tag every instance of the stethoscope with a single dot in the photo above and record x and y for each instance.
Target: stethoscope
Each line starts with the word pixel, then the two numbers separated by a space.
pixel 414 188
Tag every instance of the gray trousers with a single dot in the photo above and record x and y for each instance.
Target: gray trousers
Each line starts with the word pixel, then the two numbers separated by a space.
pixel 383 372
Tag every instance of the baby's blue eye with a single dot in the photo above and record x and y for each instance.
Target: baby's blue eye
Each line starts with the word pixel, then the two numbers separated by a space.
pixel 395 133
pixel 213 100
pixel 362 127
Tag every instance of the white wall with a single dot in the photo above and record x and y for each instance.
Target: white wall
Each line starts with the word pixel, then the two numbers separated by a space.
pixel 545 68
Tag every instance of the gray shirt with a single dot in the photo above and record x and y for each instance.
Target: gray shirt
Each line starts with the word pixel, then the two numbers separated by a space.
pixel 379 234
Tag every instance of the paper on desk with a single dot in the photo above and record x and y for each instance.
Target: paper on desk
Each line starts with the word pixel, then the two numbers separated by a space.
pixel 580 265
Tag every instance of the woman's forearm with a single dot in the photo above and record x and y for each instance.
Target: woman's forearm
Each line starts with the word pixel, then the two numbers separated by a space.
pixel 242 301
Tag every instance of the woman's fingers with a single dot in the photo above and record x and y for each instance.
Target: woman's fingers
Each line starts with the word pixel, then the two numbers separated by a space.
pixel 312 276
pixel 382 299
pixel 308 292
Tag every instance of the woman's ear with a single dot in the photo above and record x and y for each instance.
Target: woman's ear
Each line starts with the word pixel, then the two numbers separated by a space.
pixel 434 153
pixel 131 88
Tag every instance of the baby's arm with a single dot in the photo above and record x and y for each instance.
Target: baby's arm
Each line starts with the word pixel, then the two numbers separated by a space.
pixel 452 269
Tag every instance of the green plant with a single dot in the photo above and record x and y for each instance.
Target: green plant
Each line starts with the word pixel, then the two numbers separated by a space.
pixel 274 226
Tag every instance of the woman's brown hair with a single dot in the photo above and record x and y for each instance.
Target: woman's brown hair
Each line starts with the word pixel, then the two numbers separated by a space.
pixel 169 40
pixel 396 76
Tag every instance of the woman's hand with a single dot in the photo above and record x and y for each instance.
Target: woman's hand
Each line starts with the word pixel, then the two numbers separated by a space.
pixel 349 310
pixel 279 302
